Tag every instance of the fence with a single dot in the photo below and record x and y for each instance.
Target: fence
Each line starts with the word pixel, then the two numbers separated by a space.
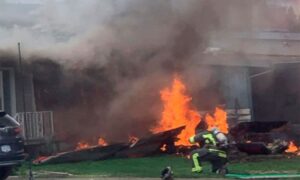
pixel 36 126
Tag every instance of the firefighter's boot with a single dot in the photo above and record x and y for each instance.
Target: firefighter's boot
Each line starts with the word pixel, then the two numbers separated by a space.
pixel 197 166
pixel 197 170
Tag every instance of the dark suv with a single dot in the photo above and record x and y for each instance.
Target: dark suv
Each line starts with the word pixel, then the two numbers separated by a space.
pixel 11 144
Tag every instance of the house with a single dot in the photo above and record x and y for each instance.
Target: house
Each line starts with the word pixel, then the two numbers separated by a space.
pixel 261 65
pixel 17 98
pixel 17 95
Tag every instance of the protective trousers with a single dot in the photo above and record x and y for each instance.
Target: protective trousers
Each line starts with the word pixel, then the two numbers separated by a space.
pixel 216 157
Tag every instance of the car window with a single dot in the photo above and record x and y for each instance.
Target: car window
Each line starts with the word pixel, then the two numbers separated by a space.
pixel 8 121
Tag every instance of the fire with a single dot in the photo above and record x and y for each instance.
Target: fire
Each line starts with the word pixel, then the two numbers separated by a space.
pixel 102 142
pixel 177 112
pixel 218 120
pixel 292 148
pixel 164 148
pixel 82 145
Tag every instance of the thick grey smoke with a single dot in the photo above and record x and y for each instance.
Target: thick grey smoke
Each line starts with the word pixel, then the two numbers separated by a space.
pixel 108 59
pixel 116 56
pixel 87 31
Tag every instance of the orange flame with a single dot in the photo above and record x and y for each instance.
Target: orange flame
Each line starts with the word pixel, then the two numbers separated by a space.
pixel 218 120
pixel 82 145
pixel 292 148
pixel 177 112
pixel 102 142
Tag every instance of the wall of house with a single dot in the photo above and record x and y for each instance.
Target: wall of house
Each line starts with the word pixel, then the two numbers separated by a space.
pixel 276 96
pixel 9 91
pixel 12 90
pixel 236 87
pixel 28 92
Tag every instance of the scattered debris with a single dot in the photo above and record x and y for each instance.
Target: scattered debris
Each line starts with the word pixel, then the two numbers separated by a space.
pixel 88 154
pixel 140 148
pixel 261 137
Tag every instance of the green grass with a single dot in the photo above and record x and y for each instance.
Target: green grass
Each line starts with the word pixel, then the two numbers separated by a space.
pixel 151 167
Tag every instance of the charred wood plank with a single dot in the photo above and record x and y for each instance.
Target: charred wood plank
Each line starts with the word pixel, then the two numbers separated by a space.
pixel 141 148
pixel 88 154
pixel 255 148
pixel 151 145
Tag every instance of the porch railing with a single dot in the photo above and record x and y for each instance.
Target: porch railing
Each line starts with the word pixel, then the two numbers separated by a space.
pixel 36 126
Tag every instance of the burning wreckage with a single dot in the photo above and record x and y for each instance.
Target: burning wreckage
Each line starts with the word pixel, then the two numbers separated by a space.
pixel 179 122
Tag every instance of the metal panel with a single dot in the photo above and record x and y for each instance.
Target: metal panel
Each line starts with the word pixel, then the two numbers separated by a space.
pixel 236 87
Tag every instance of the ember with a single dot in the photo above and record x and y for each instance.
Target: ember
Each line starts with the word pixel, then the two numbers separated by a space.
pixel 164 148
pixel 292 148
pixel 177 112
pixel 82 145
pixel 102 142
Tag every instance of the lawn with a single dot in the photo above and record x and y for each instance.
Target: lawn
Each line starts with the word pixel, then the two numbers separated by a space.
pixel 151 167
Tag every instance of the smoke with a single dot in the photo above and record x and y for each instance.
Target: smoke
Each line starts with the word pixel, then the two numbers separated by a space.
pixel 88 31
pixel 99 65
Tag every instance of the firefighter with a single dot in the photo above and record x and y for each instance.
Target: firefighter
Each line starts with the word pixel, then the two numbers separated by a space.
pixel 213 146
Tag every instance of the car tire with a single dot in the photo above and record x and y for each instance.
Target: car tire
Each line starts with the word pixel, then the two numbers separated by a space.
pixel 5 172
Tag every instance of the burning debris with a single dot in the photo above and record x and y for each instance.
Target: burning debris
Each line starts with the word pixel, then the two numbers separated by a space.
pixel 139 148
pixel 88 154
pixel 102 142
pixel 263 138
pixel 153 144
pixel 84 145
pixel 179 122
pixel 178 111
pixel 292 148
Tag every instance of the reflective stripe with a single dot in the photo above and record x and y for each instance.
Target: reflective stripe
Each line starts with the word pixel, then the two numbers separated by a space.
pixel 220 153
pixel 196 161
pixel 216 150
pixel 210 138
